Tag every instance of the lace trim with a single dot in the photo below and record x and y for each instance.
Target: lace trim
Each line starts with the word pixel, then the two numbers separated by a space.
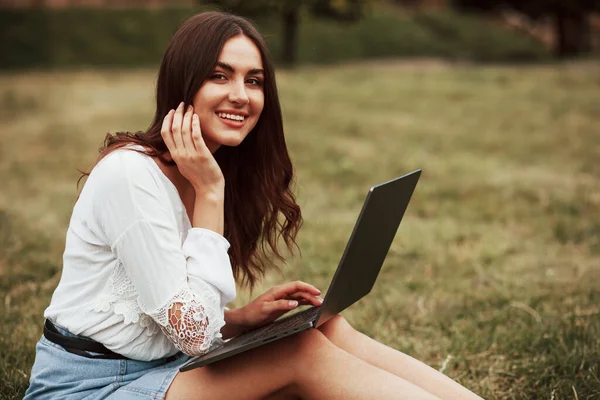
pixel 120 296
pixel 192 321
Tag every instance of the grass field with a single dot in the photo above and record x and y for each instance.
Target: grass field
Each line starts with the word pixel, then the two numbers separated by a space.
pixel 494 276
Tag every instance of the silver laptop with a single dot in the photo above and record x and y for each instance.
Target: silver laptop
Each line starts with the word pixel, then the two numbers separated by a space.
pixel 363 257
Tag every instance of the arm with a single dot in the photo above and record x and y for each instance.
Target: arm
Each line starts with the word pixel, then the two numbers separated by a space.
pixel 184 288
pixel 195 316
pixel 193 324
pixel 202 321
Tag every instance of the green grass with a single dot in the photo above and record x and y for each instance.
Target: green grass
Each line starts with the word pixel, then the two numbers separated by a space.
pixel 495 271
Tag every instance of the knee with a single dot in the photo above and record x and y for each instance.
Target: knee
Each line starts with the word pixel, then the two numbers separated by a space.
pixel 337 328
pixel 310 344
pixel 309 339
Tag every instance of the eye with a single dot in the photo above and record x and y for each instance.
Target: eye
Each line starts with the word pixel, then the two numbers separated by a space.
pixel 255 81
pixel 218 77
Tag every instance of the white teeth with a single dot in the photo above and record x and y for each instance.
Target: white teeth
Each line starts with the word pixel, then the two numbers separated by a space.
pixel 231 116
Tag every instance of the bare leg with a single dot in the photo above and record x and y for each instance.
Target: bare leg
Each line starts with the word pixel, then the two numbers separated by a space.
pixel 306 365
pixel 341 333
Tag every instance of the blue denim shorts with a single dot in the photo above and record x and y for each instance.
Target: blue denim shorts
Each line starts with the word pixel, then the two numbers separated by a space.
pixel 58 374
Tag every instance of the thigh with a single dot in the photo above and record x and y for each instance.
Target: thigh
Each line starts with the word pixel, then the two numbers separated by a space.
pixel 268 371
pixel 287 393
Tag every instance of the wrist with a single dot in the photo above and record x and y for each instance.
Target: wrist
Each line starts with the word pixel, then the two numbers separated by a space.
pixel 235 323
pixel 213 192
pixel 235 317
pixel 208 211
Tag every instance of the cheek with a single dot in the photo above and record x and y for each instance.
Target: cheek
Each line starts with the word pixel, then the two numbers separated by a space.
pixel 259 104
pixel 207 98
pixel 258 111
pixel 207 123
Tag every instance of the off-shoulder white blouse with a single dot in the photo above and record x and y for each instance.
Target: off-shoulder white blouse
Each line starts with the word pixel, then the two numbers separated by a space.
pixel 131 257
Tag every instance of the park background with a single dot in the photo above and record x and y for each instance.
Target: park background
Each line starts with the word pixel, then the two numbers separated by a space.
pixel 494 276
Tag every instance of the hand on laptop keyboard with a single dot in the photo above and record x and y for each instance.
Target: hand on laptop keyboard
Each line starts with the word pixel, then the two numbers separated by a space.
pixel 275 302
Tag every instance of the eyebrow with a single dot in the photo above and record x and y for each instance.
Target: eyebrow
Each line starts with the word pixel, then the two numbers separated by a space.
pixel 229 68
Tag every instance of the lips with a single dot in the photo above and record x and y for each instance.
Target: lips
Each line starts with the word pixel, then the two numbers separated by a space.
pixel 232 117
pixel 234 120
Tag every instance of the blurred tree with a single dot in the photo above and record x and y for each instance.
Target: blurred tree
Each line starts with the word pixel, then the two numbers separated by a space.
pixel 289 11
pixel 570 18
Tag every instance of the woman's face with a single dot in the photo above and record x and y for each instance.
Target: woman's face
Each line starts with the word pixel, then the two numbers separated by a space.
pixel 230 101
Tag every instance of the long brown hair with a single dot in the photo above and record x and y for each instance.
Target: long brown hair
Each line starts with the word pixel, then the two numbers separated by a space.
pixel 260 207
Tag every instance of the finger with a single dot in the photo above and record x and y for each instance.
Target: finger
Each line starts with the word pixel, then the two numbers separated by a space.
pixel 186 130
pixel 306 298
pixel 280 305
pixel 197 134
pixel 297 286
pixel 176 128
pixel 307 303
pixel 165 130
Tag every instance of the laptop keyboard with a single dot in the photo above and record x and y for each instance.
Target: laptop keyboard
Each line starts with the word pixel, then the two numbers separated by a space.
pixel 279 327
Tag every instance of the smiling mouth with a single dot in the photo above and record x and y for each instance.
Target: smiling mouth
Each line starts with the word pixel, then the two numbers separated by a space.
pixel 231 117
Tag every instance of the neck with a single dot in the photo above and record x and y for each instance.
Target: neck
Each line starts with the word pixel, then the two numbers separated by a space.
pixel 183 185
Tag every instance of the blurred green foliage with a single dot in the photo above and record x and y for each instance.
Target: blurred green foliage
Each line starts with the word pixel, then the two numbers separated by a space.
pixel 289 13
pixel 95 37
pixel 340 10
pixel 533 8
pixel 569 19
pixel 72 37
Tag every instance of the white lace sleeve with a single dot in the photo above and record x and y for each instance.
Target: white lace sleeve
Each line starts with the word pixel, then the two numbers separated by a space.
pixel 183 290
pixel 192 321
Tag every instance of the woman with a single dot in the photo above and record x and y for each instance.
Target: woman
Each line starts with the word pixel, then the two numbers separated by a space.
pixel 169 219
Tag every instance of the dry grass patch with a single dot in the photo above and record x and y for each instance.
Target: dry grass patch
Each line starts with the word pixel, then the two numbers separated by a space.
pixel 494 277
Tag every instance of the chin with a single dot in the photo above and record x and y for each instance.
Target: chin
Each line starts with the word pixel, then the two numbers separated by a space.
pixel 228 140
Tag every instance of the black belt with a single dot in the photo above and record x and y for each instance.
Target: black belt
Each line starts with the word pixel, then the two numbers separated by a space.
pixel 78 346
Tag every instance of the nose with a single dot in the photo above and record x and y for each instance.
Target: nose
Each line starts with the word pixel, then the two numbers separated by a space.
pixel 237 93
